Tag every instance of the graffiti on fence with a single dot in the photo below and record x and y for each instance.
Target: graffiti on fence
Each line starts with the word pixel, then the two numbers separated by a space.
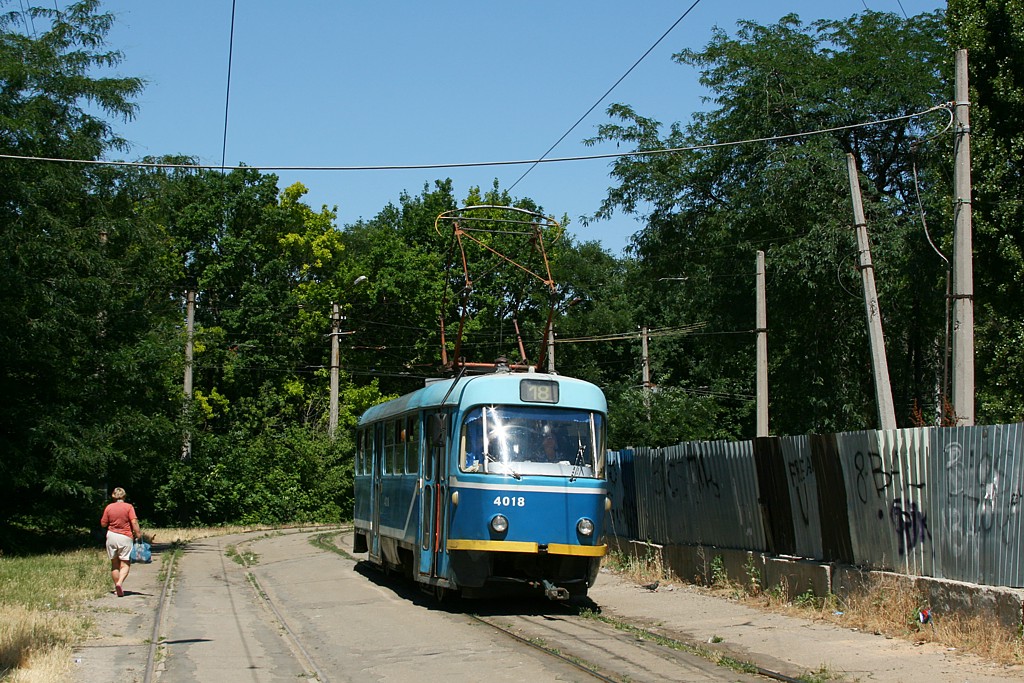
pixel 980 493
pixel 948 502
pixel 801 474
pixel 911 524
pixel 695 475
pixel 873 477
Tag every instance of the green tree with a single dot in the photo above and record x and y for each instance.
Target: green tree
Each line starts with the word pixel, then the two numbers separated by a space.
pixel 265 267
pixel 85 322
pixel 707 212
pixel 393 320
pixel 992 31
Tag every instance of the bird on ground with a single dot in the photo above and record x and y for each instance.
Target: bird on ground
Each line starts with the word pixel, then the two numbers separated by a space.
pixel 651 586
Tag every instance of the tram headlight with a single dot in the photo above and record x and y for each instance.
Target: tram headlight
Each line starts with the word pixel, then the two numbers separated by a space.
pixel 585 527
pixel 499 524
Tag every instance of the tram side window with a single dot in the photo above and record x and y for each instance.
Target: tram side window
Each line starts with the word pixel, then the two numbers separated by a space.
pixel 412 444
pixel 437 425
pixel 389 447
pixel 360 463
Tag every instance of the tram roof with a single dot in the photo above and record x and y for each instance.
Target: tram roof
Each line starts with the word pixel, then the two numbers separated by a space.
pixel 498 388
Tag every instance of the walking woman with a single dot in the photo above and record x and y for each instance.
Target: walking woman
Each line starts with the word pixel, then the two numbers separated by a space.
pixel 122 527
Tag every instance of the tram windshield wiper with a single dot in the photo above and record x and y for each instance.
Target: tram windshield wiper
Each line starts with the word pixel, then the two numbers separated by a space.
pixel 506 465
pixel 577 465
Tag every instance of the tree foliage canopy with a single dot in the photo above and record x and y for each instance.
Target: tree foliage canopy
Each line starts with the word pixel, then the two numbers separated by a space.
pixel 992 32
pixel 97 261
pixel 707 213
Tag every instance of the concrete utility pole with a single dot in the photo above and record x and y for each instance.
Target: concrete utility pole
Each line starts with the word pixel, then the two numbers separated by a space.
pixel 551 350
pixel 762 349
pixel 646 359
pixel 963 269
pixel 332 425
pixel 879 365
pixel 190 327
pixel 336 318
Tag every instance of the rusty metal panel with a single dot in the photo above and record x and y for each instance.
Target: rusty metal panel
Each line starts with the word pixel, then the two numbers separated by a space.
pixel 712 495
pixel 620 520
pixel 861 460
pixel 978 472
pixel 652 513
pixel 833 510
pixel 773 496
pixel 802 486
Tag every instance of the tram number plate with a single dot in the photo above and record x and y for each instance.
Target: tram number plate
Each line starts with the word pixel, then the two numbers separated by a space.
pixel 510 501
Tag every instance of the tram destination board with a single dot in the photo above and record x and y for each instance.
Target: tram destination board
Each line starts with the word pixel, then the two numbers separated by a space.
pixel 538 391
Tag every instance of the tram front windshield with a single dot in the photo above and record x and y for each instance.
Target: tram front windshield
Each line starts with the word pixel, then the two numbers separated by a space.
pixel 516 441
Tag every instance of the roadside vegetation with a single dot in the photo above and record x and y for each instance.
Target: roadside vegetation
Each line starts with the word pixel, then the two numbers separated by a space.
pixel 41 615
pixel 44 600
pixel 99 260
pixel 887 607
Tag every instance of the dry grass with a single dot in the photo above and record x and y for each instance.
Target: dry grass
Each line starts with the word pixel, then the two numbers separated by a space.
pixel 39 600
pixel 49 665
pixel 892 607
pixel 176 536
pixel 888 606
pixel 645 567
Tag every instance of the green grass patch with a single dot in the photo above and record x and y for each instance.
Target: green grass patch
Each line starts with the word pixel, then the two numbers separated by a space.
pixel 326 542
pixel 58 581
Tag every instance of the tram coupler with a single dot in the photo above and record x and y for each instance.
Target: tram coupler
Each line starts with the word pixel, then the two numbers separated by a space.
pixel 553 592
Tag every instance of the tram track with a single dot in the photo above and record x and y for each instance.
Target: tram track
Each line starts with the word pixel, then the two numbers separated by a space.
pixel 611 651
pixel 533 644
pixel 597 647
pixel 158 617
pixel 286 632
pixel 606 654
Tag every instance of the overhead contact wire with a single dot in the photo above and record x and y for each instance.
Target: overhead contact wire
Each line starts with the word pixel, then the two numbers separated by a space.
pixel 477 164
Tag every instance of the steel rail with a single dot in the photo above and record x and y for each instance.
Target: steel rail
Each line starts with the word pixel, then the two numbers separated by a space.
pixel 548 651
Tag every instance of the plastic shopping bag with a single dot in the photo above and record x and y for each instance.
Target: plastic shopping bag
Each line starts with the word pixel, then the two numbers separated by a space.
pixel 141 552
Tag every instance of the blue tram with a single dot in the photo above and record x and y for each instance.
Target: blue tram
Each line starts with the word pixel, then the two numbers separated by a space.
pixel 486 485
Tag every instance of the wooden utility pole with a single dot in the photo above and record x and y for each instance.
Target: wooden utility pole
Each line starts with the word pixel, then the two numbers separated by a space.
pixel 879 365
pixel 762 349
pixel 332 425
pixel 190 327
pixel 963 269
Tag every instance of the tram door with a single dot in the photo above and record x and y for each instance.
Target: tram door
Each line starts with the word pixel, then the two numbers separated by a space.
pixel 434 495
pixel 377 446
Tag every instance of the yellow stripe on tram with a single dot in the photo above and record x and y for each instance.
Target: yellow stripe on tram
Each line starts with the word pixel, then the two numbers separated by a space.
pixel 527 547
pixel 578 550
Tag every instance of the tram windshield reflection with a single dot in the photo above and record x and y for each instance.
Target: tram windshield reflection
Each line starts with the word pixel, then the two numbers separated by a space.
pixel 517 440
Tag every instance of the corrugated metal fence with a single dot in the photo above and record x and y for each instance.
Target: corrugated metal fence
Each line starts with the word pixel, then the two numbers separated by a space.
pixel 940 502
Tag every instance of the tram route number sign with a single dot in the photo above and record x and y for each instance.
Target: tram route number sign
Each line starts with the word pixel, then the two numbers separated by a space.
pixel 538 391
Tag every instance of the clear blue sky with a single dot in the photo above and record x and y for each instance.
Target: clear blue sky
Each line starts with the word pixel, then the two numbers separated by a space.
pixel 331 83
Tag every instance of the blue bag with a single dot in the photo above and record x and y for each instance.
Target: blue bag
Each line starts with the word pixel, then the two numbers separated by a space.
pixel 141 552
